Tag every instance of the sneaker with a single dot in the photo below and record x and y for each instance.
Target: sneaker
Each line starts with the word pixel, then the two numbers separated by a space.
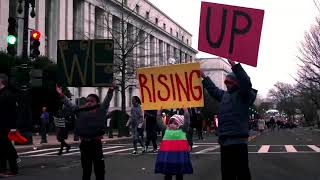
pixel 155 150
pixel 134 153
pixel 144 150
pixel 18 160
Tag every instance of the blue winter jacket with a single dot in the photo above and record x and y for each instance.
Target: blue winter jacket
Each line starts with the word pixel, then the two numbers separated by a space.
pixel 234 107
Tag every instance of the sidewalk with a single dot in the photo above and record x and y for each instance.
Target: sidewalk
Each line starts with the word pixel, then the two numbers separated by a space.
pixel 53 142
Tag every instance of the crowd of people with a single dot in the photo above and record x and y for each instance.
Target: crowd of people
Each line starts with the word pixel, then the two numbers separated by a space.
pixel 176 127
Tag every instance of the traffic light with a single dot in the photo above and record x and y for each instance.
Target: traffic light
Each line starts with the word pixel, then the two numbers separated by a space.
pixel 12 36
pixel 34 44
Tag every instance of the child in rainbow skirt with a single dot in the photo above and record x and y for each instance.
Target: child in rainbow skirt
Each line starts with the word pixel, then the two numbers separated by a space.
pixel 174 154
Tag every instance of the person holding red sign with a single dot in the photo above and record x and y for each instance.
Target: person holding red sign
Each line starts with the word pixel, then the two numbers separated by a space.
pixel 233 130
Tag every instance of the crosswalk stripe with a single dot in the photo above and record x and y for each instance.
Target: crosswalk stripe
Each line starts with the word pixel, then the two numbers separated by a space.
pixel 36 151
pixel 290 148
pixel 51 153
pixel 264 149
pixel 106 148
pixel 207 150
pixel 315 148
pixel 197 149
pixel 116 151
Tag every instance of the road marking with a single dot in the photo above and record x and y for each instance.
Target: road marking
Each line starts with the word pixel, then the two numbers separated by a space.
pixel 51 153
pixel 36 151
pixel 290 148
pixel 106 148
pixel 264 149
pixel 207 150
pixel 205 143
pixel 315 148
pixel 116 151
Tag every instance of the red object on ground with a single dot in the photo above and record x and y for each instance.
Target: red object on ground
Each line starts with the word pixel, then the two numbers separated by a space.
pixel 17 137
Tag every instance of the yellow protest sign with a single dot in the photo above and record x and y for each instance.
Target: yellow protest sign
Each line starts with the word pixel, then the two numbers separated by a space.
pixel 173 86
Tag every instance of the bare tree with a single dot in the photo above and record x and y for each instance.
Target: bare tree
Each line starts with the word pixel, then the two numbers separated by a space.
pixel 308 80
pixel 284 95
pixel 309 72
pixel 134 43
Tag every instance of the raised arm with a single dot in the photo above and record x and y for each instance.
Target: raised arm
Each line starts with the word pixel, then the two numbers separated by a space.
pixel 211 88
pixel 160 123
pixel 68 104
pixel 106 102
pixel 243 79
pixel 186 124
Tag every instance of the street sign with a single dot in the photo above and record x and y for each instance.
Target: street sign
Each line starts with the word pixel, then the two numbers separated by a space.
pixel 85 63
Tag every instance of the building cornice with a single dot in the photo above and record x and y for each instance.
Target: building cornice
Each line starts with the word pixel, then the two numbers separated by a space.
pixel 143 19
pixel 155 7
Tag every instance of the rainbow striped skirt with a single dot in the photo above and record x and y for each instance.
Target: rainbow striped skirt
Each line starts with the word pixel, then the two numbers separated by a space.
pixel 174 154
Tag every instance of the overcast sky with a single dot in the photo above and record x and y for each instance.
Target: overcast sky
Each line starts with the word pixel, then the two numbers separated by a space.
pixel 284 25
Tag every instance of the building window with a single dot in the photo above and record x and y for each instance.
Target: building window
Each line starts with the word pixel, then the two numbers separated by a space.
pixel 164 26
pixel 177 34
pixel 170 30
pixel 157 21
pixel 147 14
pixel 137 8
pixel 188 41
pixel 125 2
pixel 182 38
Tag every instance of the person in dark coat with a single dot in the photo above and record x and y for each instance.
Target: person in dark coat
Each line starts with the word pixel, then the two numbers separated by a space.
pixel 44 125
pixel 90 127
pixel 8 111
pixel 60 121
pixel 151 129
pixel 233 116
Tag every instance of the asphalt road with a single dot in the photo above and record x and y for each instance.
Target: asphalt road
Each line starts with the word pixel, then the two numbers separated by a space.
pixel 287 154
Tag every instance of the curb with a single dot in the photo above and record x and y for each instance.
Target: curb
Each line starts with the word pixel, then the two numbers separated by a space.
pixel 252 137
pixel 22 148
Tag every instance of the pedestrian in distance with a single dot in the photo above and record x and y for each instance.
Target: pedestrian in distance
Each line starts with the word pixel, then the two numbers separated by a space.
pixel 173 158
pixel 272 123
pixel 279 124
pixel 90 127
pixel 199 125
pixel 151 129
pixel 136 124
pixel 44 124
pixel 60 119
pixel 233 130
pixel 8 111
pixel 261 125
pixel 109 131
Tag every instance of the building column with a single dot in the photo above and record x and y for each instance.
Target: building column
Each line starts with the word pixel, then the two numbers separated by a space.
pixel 107 24
pixel 40 24
pixel 78 13
pixel 69 21
pixel 4 9
pixel 54 30
pixel 92 23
